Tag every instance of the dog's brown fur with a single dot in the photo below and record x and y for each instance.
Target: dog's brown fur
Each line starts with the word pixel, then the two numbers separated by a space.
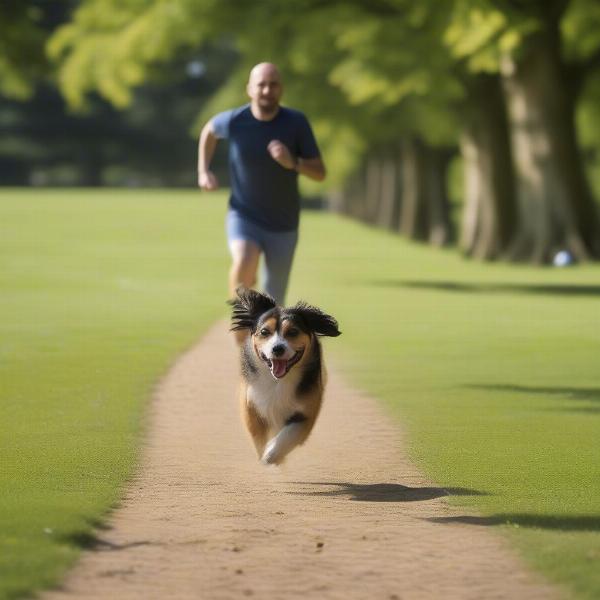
pixel 283 376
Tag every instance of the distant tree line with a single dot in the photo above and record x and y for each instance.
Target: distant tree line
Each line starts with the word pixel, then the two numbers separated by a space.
pixel 150 142
pixel 399 92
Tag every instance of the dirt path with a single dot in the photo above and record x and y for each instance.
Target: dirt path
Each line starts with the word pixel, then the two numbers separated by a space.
pixel 347 517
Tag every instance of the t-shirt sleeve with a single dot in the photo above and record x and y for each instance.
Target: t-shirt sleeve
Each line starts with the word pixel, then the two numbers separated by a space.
pixel 307 144
pixel 220 124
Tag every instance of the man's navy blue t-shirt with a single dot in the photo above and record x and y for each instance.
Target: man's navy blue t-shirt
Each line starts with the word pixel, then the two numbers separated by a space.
pixel 262 190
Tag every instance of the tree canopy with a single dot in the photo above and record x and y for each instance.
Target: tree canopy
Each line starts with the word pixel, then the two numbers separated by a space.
pixel 372 74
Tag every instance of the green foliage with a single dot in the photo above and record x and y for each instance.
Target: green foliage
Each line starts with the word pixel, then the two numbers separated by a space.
pixel 367 73
pixel 581 30
pixel 21 48
pixel 377 72
pixel 480 34
pixel 588 125
pixel 110 45
pixel 345 65
pixel 379 63
pixel 44 143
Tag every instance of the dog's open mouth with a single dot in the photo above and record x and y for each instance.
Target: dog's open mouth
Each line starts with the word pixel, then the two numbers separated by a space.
pixel 281 366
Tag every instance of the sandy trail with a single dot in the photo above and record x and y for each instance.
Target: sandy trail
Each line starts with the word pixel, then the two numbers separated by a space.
pixel 348 516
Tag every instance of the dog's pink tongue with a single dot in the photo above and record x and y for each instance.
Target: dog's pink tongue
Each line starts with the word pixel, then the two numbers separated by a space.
pixel 279 367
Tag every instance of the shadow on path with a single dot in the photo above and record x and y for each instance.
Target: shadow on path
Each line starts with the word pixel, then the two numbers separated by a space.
pixel 89 541
pixel 383 492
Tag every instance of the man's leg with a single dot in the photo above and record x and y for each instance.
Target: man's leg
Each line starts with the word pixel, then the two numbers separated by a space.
pixel 279 254
pixel 245 255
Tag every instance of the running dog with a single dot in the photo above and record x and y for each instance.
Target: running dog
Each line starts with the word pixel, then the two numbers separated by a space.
pixel 283 376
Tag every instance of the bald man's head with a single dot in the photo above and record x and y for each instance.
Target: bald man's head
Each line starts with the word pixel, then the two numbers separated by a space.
pixel 264 89
pixel 264 69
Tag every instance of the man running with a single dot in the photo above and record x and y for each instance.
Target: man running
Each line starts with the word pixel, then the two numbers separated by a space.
pixel 269 145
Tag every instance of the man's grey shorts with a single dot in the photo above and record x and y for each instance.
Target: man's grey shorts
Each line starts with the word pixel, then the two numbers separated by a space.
pixel 277 246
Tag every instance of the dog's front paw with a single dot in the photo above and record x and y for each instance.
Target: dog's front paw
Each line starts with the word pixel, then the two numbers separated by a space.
pixel 271 455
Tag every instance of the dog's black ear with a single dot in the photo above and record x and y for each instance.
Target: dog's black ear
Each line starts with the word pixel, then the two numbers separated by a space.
pixel 247 307
pixel 317 320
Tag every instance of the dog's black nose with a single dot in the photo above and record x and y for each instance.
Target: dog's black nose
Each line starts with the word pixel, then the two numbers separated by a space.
pixel 278 349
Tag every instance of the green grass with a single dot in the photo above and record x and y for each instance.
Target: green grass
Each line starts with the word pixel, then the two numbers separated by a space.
pixel 493 369
pixel 100 292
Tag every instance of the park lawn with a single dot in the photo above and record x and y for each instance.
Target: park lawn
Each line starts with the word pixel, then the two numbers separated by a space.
pixel 492 369
pixel 100 293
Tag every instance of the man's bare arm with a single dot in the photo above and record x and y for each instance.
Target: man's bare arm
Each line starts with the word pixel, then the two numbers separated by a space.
pixel 206 150
pixel 313 168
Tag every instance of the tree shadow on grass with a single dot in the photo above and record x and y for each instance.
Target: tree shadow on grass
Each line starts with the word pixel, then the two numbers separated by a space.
pixel 528 521
pixel 586 395
pixel 545 289
pixel 589 394
pixel 382 492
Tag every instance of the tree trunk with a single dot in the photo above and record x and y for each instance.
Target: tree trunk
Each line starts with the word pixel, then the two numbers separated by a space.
pixel 556 209
pixel 389 202
pixel 371 194
pixel 350 200
pixel 438 205
pixel 403 191
pixel 424 210
pixel 489 214
pixel 372 198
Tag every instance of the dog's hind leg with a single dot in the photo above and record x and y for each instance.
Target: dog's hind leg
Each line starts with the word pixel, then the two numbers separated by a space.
pixel 291 435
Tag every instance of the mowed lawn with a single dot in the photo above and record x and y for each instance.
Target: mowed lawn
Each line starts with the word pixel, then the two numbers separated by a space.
pixel 494 370
pixel 100 291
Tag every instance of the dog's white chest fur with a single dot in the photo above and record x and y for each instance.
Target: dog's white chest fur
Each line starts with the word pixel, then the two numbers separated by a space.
pixel 274 400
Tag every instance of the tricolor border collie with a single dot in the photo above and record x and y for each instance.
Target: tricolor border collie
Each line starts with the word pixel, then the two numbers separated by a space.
pixel 283 376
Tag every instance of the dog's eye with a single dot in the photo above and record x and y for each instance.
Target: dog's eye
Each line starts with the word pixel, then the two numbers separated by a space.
pixel 264 332
pixel 293 332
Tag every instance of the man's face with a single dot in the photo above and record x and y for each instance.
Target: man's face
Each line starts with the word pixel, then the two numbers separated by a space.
pixel 265 89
